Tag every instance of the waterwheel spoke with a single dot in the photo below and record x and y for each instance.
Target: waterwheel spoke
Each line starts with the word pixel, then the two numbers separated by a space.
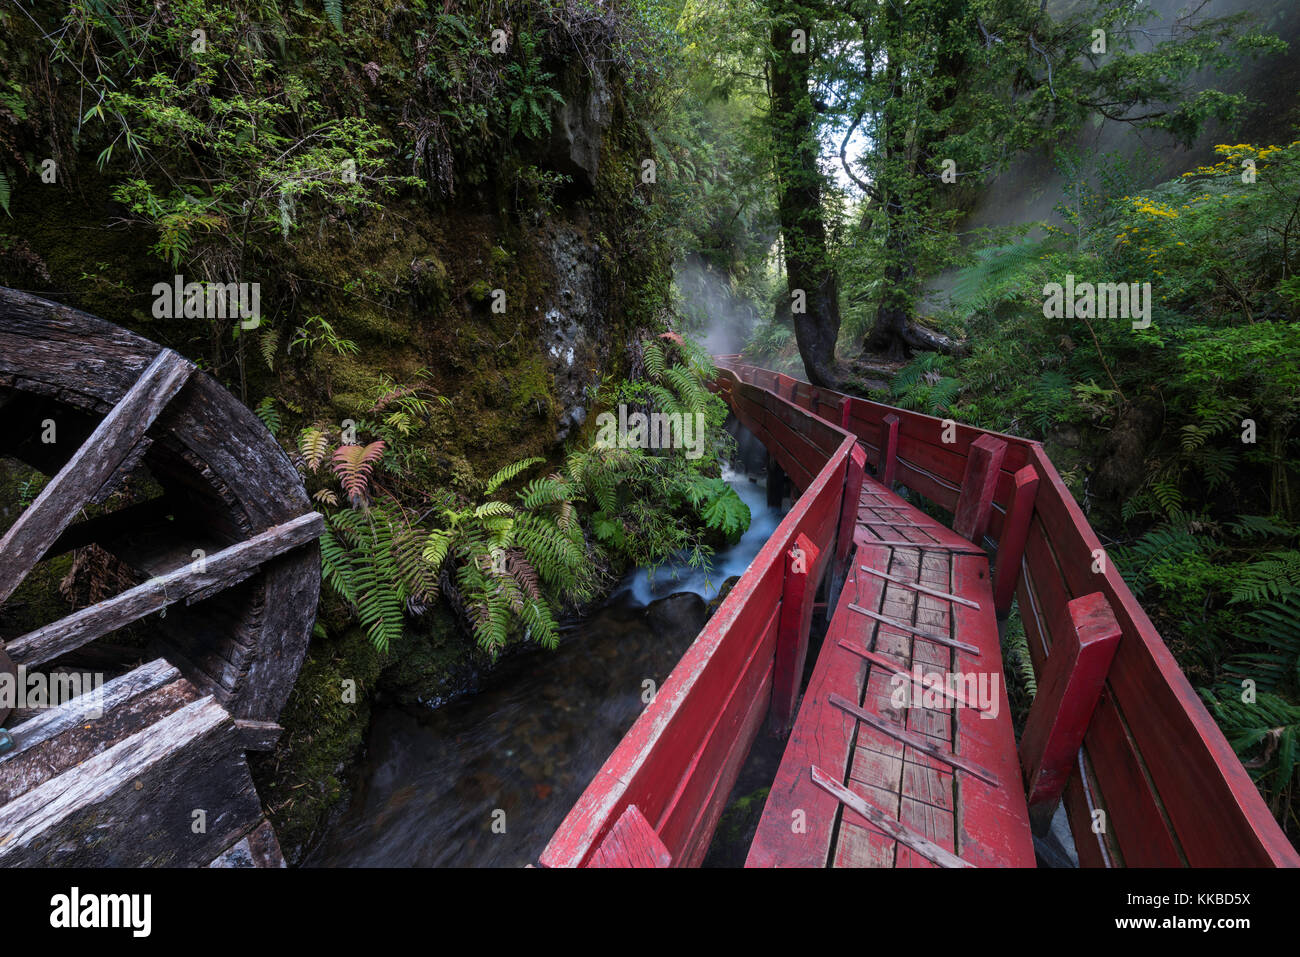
pixel 90 467
pixel 192 581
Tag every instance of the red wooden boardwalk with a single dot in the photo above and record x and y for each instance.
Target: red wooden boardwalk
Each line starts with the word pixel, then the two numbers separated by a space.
pixel 963 809
pixel 1115 732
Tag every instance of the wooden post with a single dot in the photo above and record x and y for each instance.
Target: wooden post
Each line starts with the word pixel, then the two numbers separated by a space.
pixel 1083 645
pixel 889 451
pixel 793 622
pixel 631 842
pixel 975 503
pixel 1011 543
pixel 857 468
pixel 846 412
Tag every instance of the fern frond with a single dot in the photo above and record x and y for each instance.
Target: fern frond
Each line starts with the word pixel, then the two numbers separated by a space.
pixel 508 473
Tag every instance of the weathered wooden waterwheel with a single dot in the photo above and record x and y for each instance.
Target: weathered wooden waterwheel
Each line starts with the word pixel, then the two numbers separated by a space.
pixel 156 464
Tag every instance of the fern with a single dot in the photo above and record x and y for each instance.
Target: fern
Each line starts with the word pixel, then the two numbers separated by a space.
pixel 267 412
pixel 4 193
pixel 334 10
pixel 268 343
pixel 1264 734
pixel 354 464
pixel 1168 543
pixel 508 473
pixel 652 355
pixel 1275 578
pixel 313 446
pixel 999 272
pixel 1278 629
pixel 727 514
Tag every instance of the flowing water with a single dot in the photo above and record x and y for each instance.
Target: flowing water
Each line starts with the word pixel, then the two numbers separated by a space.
pixel 485 781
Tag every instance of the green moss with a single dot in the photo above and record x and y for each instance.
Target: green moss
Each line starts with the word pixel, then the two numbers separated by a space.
pixel 302 779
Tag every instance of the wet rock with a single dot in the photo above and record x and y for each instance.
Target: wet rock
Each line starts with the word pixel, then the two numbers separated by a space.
pixel 574 343
pixel 578 127
pixel 1121 466
pixel 722 594
pixel 684 614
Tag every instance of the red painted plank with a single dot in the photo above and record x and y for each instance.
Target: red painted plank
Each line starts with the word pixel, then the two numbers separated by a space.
pixel 1011 540
pixel 1141 829
pixel 798 819
pixel 1219 815
pixel 673 747
pixel 977 484
pixel 631 842
pixel 889 451
pixel 853 479
pixel 688 821
pixel 1068 690
pixel 992 823
pixel 792 631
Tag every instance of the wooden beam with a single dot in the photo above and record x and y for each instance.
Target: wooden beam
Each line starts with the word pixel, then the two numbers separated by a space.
pixel 975 503
pixel 903 835
pixel 631 842
pixel 1082 650
pixel 889 451
pixel 853 478
pixel 903 626
pixel 918 742
pixel 258 735
pixel 797 593
pixel 90 467
pixel 890 666
pixel 923 589
pixel 928 546
pixel 51 722
pixel 133 804
pixel 1011 543
pixel 104 528
pixel 229 566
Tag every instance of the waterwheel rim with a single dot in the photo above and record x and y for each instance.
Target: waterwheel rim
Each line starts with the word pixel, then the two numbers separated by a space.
pixel 234 566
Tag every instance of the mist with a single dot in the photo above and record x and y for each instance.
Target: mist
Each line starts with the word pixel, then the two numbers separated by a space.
pixel 715 315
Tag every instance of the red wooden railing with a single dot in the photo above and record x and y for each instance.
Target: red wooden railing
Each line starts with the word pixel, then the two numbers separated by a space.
pixel 1155 782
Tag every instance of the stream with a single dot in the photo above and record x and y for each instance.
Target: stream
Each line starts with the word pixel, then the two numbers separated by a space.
pixel 486 780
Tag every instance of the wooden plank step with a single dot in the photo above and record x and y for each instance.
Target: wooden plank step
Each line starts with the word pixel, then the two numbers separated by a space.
pixel 918 741
pixel 903 626
pixel 930 546
pixel 924 589
pixel 90 815
pixel 60 738
pixel 890 666
pixel 903 835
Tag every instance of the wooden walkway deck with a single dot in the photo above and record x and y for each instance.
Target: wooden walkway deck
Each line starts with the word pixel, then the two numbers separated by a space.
pixel 1115 733
pixel 966 808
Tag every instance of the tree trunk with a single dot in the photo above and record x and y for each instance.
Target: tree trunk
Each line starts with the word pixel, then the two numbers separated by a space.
pixel 813 287
pixel 908 157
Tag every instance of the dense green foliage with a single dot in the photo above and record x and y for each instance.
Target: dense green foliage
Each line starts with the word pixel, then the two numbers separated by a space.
pixel 513 564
